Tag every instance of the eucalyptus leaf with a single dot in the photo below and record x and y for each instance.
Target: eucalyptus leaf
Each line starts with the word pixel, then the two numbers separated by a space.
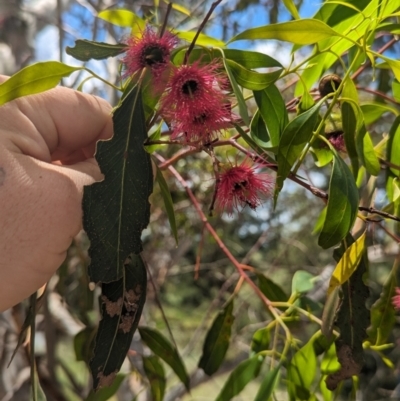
pixel 245 372
pixel 117 209
pixel 268 385
pixel 217 341
pixel 342 205
pixel 302 32
pixel 124 18
pixel 86 50
pixel 166 351
pixel 122 303
pixel 155 374
pixel 34 79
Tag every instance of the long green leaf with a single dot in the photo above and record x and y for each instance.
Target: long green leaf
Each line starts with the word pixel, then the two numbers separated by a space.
pixel 349 121
pixel 166 351
pixel 292 142
pixel 105 393
pixel 302 32
pixel 250 79
pixel 268 385
pixel 202 40
pixel 352 320
pixel 342 205
pixel 217 341
pixel 155 374
pixel 393 146
pixel 260 341
pixel 33 79
pixel 244 373
pixel 124 18
pixel 86 50
pixel 301 371
pixel 121 308
pixel 273 111
pixel 116 210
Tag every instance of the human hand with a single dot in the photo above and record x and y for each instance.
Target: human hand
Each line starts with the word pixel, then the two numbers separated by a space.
pixel 47 143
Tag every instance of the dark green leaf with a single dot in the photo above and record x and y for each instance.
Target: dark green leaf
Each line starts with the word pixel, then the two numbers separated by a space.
pixel 302 32
pixel 250 79
pixel 245 372
pixel 273 111
pixel 393 146
pixel 368 155
pixel 83 344
pixel 373 111
pixel 301 371
pixel 352 320
pixel 156 376
pixel 271 290
pixel 169 206
pixel 302 281
pixel 260 341
pixel 121 307
pixel 329 313
pixel 33 79
pixel 86 50
pixel 116 210
pixel 217 341
pixel 258 131
pixel 104 394
pixel 268 385
pixel 342 206
pixel 382 313
pixel 293 140
pixel 166 351
pixel 349 121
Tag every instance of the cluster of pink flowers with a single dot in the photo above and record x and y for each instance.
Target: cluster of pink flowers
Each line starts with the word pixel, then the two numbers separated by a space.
pixel 196 107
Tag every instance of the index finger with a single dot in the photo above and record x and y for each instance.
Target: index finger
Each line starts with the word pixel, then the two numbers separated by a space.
pixel 57 123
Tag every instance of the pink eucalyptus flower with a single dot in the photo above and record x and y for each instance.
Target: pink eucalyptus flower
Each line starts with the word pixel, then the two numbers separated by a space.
pixel 194 103
pixel 242 185
pixel 396 299
pixel 150 50
pixel 337 141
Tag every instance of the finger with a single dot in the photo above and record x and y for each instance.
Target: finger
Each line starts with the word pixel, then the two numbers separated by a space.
pixel 60 122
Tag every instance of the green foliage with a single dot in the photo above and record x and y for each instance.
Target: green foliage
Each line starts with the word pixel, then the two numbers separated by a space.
pixel 86 50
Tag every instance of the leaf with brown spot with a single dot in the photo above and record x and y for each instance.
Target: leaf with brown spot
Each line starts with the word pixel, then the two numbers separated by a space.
pixel 352 320
pixel 122 304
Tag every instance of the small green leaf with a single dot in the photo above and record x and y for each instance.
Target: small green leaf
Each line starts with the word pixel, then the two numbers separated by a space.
pixel 330 363
pixel 301 371
pixel 291 7
pixel 105 393
pixel 393 64
pixel 124 18
pixel 273 111
pixel 250 79
pixel 86 50
pixel 82 344
pixel 245 372
pixel 217 341
pixel 169 206
pixel 202 40
pixel 302 281
pixel 117 209
pixel 342 206
pixel 260 341
pixel 302 32
pixel 122 303
pixel 271 290
pixel 155 374
pixel 238 93
pixel 293 140
pixel 329 312
pixel 166 351
pixel 33 79
pixel 322 156
pixel 179 8
pixel 348 263
pixel 373 111
pixel 268 385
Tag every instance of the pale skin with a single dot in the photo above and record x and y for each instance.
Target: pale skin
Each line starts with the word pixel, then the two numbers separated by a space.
pixel 47 143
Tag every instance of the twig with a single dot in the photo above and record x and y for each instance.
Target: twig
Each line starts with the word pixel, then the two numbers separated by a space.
pixel 169 8
pixel 201 27
pixel 372 210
